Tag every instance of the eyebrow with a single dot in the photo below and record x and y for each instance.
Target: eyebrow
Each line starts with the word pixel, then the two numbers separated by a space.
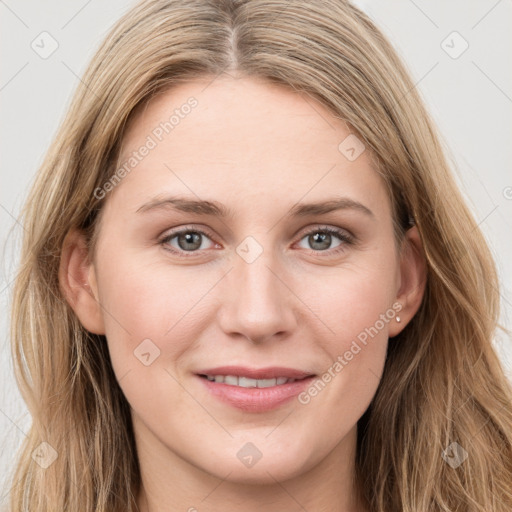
pixel 214 208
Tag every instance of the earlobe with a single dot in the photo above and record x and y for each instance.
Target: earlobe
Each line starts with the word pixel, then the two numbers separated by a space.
pixel 77 281
pixel 413 275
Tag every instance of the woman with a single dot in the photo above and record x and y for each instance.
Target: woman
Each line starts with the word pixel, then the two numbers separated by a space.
pixel 249 280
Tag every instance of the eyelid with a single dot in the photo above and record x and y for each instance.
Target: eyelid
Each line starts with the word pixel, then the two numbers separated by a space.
pixel 342 232
pixel 187 227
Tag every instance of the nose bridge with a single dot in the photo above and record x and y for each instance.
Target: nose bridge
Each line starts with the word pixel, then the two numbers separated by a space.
pixel 259 306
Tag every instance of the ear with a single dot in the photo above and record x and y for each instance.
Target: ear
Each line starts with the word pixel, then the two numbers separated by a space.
pixel 77 281
pixel 412 280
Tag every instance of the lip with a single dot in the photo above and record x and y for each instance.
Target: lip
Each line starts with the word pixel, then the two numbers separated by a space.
pixel 256 373
pixel 256 400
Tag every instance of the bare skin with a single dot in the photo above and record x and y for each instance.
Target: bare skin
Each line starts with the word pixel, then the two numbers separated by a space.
pixel 258 149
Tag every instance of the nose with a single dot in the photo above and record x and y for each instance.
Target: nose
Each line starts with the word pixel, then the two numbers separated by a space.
pixel 258 303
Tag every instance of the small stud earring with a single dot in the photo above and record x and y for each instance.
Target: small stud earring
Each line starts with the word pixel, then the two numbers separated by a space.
pixel 398 319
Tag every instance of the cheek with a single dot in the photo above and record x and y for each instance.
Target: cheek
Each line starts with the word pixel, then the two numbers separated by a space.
pixel 356 306
pixel 144 301
pixel 351 301
pixel 153 316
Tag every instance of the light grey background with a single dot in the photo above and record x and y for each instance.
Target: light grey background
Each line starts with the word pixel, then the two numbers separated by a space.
pixel 470 97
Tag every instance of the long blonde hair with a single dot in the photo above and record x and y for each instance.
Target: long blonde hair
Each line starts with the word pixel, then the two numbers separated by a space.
pixel 442 383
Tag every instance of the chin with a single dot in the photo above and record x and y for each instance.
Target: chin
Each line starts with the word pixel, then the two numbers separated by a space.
pixel 266 470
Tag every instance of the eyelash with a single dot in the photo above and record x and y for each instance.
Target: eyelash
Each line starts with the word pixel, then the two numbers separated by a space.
pixel 345 238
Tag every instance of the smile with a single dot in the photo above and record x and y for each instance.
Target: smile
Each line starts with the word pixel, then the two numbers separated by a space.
pixel 246 382
pixel 253 395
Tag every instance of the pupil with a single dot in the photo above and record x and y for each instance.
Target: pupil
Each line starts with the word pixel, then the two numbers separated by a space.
pixel 323 238
pixel 191 238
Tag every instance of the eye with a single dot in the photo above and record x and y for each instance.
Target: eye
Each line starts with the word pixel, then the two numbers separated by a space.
pixel 321 239
pixel 187 240
pixel 193 240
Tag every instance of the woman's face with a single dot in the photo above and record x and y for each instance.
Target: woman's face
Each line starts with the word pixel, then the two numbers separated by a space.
pixel 211 254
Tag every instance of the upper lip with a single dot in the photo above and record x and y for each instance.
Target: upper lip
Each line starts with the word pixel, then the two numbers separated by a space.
pixel 256 373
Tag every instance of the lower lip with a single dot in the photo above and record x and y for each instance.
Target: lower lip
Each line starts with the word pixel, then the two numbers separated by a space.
pixel 256 399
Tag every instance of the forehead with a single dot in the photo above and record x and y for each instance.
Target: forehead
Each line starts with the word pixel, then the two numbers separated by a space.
pixel 227 136
pixel 241 113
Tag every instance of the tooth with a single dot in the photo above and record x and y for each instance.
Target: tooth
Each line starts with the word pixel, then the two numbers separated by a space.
pixel 231 380
pixel 246 382
pixel 266 383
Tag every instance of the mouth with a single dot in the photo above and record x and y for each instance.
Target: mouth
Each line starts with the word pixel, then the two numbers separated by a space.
pixel 247 382
pixel 254 390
